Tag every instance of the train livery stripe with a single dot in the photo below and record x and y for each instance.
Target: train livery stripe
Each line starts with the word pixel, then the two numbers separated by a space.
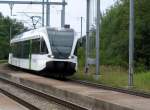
pixel 30 51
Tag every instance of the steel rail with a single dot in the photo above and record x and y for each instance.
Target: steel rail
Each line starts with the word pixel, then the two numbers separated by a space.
pixel 44 95
pixel 22 102
pixel 117 89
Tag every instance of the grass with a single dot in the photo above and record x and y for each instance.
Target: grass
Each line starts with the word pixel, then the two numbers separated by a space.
pixel 142 81
pixel 116 76
pixel 3 61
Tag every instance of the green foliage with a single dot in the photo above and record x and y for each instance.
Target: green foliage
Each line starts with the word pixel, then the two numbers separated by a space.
pixel 116 76
pixel 81 57
pixel 5 23
pixel 114 34
pixel 114 47
pixel 141 80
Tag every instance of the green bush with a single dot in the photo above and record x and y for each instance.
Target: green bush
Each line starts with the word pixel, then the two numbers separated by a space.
pixel 5 23
pixel 114 34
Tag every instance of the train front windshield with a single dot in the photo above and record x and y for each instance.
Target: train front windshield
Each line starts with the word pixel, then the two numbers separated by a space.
pixel 61 43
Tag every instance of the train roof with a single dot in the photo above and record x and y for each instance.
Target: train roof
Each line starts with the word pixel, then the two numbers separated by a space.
pixel 31 33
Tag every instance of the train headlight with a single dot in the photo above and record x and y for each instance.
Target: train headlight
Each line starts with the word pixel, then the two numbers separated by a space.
pixel 71 57
pixel 50 56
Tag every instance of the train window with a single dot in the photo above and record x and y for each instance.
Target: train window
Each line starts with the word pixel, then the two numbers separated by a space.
pixel 43 47
pixel 25 49
pixel 20 49
pixel 11 48
pixel 17 50
pixel 61 43
pixel 14 49
pixel 36 46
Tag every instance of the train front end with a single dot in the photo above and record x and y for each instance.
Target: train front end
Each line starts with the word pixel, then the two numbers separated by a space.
pixel 62 51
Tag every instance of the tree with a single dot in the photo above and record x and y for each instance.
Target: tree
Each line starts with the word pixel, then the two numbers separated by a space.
pixel 5 23
pixel 114 34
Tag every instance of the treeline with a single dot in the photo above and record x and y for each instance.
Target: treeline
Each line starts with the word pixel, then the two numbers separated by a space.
pixel 115 33
pixel 5 24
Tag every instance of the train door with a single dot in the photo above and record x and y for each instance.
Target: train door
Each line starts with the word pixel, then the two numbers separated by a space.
pixel 38 54
pixel 34 53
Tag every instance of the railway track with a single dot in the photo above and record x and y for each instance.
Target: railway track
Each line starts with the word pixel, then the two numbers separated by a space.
pixel 101 86
pixel 69 105
pixel 122 90
pixel 22 102
pixel 76 84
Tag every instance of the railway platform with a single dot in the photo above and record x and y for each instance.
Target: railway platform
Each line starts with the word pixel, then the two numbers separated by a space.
pixel 7 103
pixel 85 96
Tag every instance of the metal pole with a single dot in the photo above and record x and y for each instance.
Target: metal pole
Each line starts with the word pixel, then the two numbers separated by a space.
pixel 63 14
pixel 10 32
pixel 81 27
pixel 87 35
pixel 11 7
pixel 97 40
pixel 43 13
pixel 47 14
pixel 131 44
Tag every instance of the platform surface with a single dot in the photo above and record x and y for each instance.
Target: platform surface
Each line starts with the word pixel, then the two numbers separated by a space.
pixel 90 97
pixel 8 104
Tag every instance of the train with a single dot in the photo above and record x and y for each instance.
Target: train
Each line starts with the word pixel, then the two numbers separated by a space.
pixel 45 49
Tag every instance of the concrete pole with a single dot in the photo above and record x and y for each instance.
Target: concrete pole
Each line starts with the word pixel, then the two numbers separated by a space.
pixel 43 14
pixel 97 40
pixel 47 14
pixel 63 14
pixel 131 44
pixel 87 35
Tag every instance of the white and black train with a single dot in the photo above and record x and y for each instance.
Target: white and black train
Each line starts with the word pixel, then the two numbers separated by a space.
pixel 45 49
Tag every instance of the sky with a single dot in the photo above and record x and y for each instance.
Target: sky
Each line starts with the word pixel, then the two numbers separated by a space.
pixel 75 9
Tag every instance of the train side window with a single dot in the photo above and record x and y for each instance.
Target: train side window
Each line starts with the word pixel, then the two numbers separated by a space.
pixel 11 48
pixel 14 49
pixel 36 46
pixel 25 49
pixel 18 50
pixel 43 47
